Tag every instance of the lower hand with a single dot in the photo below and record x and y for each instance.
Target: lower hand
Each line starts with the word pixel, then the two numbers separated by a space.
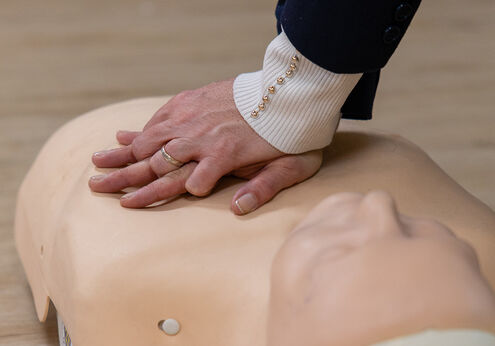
pixel 265 179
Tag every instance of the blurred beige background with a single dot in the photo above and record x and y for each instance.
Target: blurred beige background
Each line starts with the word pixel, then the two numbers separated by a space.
pixel 59 59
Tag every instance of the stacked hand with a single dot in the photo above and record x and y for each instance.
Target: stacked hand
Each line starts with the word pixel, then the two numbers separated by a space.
pixel 203 130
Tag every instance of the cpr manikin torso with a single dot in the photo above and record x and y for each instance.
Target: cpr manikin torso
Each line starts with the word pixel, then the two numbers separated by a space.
pixel 114 273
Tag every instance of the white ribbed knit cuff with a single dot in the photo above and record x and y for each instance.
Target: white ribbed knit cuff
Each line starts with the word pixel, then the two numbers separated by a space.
pixel 303 112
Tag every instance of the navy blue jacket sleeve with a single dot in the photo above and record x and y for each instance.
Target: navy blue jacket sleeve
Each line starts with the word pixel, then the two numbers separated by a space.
pixel 348 36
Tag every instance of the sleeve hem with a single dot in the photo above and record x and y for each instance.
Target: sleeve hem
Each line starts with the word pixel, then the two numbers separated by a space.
pixel 292 103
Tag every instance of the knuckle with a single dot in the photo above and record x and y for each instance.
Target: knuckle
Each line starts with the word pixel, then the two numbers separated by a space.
pixel 175 175
pixel 122 177
pixel 291 167
pixel 198 190
pixel 185 96
pixel 139 141
pixel 223 153
pixel 226 145
pixel 173 146
pixel 179 145
pixel 155 166
pixel 200 193
pixel 293 163
pixel 153 131
pixel 264 186
pixel 181 117
pixel 143 146
pixel 182 96
pixel 288 174
pixel 138 151
pixel 224 130
pixel 162 112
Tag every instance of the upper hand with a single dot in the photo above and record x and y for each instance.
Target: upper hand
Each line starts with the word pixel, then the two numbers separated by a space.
pixel 201 125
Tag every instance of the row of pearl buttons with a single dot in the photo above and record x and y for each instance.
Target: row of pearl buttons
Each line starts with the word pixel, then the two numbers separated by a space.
pixel 271 90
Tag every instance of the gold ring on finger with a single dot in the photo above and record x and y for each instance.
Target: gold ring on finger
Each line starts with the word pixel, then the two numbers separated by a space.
pixel 170 159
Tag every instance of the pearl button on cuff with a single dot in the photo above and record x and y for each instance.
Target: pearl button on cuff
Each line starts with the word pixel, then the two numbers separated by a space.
pixel 272 90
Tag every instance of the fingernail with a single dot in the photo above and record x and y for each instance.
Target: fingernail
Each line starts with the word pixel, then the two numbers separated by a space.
pixel 127 195
pixel 100 153
pixel 246 203
pixel 98 177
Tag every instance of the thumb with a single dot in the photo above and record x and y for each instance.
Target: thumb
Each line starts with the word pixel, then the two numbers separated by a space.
pixel 274 177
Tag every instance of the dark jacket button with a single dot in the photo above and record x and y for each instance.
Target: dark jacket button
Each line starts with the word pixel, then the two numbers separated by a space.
pixel 391 34
pixel 403 12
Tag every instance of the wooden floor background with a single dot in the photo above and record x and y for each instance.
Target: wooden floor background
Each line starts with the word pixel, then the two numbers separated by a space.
pixel 61 58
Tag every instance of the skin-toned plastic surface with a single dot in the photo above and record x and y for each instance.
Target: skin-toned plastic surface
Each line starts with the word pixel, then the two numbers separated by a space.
pixel 457 337
pixel 358 265
pixel 114 273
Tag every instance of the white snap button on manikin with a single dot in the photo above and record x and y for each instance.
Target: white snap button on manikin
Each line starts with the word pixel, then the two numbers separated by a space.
pixel 170 326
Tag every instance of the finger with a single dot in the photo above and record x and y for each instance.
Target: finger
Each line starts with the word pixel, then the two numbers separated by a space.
pixel 205 176
pixel 113 158
pixel 151 140
pixel 276 176
pixel 160 115
pixel 181 149
pixel 126 137
pixel 248 172
pixel 168 186
pixel 138 174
